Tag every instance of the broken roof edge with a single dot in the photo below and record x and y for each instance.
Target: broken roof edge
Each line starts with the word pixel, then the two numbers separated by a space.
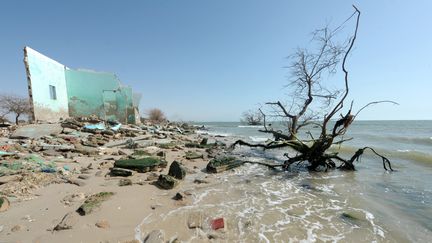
pixel 99 72
pixel 28 49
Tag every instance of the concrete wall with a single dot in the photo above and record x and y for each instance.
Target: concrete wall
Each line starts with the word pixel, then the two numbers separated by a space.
pixel 78 92
pixel 100 94
pixel 41 73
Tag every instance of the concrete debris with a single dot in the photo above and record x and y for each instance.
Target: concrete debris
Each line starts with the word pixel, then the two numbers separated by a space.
pixel 103 224
pixel 4 204
pixel 67 222
pixel 93 202
pixel 35 131
pixel 156 236
pixel 86 154
pixel 195 220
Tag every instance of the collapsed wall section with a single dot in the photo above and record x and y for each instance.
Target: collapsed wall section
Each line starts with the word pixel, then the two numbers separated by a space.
pixel 47 86
pixel 100 94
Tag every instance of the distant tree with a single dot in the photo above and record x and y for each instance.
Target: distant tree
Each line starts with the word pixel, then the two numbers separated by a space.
pixel 251 117
pixel 14 104
pixel 156 115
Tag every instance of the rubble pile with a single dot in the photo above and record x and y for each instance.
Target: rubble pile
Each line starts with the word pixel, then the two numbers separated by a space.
pixel 36 155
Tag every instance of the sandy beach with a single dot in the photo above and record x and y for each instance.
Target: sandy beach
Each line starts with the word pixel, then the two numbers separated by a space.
pixel 33 216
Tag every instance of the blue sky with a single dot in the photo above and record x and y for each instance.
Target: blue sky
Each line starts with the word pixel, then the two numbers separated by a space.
pixel 212 60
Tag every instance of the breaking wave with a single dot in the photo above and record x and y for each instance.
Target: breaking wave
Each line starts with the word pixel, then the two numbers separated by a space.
pixel 218 134
pixel 250 126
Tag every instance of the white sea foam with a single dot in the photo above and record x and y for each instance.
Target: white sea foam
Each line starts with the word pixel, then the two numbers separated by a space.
pixel 219 134
pixel 272 208
pixel 404 150
pixel 250 126
pixel 138 233
pixel 258 139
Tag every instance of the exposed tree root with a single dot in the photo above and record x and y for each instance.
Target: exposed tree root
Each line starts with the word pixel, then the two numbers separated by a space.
pixel 314 155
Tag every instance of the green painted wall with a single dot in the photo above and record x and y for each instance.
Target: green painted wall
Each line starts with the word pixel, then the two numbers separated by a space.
pixel 42 72
pixel 100 94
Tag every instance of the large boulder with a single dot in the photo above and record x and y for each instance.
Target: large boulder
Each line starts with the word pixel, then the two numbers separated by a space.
pixel 177 171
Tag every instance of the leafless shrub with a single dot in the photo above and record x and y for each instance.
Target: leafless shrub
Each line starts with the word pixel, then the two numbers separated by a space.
pixel 251 117
pixel 156 115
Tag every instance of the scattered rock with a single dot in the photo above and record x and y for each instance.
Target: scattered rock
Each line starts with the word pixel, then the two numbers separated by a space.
pixel 10 178
pixel 84 177
pixel 167 182
pixel 156 236
pixel 177 171
pixel 161 154
pixel 200 181
pixel 4 204
pixel 93 202
pixel 204 141
pixel 125 182
pixel 68 221
pixel 195 220
pixel 152 176
pixel 77 182
pixel 86 150
pixel 193 155
pixel 222 164
pixel 16 228
pixel 121 152
pixel 131 241
pixel 154 206
pixel 103 224
pixel 121 172
pixel 75 197
pixel 179 196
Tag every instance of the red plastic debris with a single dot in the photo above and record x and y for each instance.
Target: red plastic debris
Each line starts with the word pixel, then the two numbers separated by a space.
pixel 217 223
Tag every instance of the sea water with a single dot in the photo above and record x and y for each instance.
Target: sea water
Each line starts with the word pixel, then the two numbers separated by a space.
pixel 366 205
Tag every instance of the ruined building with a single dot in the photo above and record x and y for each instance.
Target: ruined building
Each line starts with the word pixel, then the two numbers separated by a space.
pixel 57 91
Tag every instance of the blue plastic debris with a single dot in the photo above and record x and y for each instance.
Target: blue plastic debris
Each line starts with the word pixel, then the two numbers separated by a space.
pixel 116 127
pixel 99 126
pixel 48 170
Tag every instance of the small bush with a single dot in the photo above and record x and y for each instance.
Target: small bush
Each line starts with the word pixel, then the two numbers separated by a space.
pixel 156 115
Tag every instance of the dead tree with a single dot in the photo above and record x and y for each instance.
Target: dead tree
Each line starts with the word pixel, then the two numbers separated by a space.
pixel 251 117
pixel 307 70
pixel 13 104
